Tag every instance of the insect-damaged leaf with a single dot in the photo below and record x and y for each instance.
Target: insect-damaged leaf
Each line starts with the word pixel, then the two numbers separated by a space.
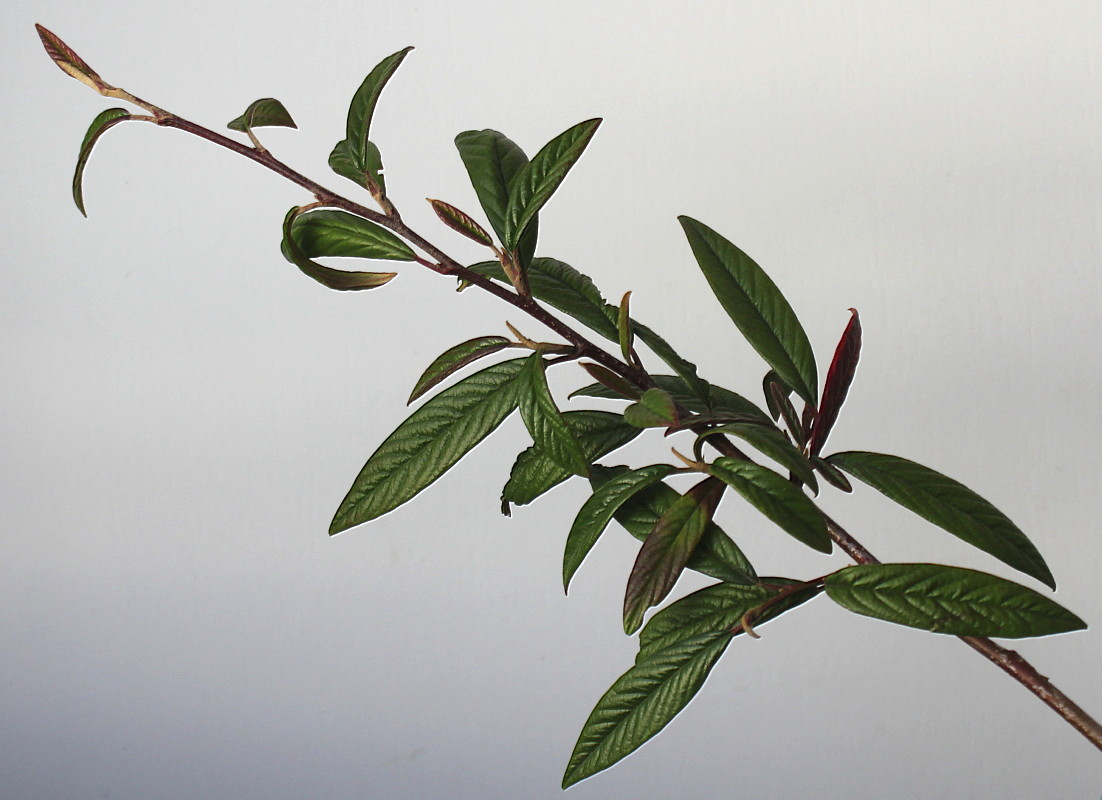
pixel 550 433
pixel 454 359
pixel 327 276
pixel 264 113
pixel 103 122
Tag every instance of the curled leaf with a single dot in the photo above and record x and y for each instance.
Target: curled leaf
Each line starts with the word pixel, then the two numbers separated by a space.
pixel 327 276
pixel 264 113
pixel 100 125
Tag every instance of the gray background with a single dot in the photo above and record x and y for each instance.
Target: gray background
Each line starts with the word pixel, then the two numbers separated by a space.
pixel 182 410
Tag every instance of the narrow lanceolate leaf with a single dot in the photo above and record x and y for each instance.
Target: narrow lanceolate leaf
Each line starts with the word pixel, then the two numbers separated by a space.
pixel 362 108
pixel 720 400
pixel 772 443
pixel 608 379
pixel 327 276
pixel 100 125
pixel 716 556
pixel 550 433
pixel 786 411
pixel 70 63
pixel 756 306
pixel 534 473
pixel 264 113
pixel 539 179
pixel 777 499
pixel 834 476
pixel 685 369
pixel 493 161
pixel 949 505
pixel 666 551
pixel 597 512
pixel 623 326
pixel 460 222
pixel 430 442
pixel 718 608
pixel 952 600
pixel 338 233
pixel 839 377
pixel 641 702
pixel 454 359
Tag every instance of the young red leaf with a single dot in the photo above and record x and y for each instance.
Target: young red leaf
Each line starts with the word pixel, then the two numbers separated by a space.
pixel 839 377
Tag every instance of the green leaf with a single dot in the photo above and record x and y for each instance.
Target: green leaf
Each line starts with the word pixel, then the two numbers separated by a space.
pixel 777 499
pixel 756 306
pixel 539 179
pixel 721 401
pixel 623 325
pixel 834 476
pixel 952 600
pixel 772 443
pixel 949 505
pixel 620 388
pixel 264 113
pixel 460 222
pixel 103 122
pixel 839 377
pixel 493 162
pixel 338 233
pixel 686 370
pixel 782 407
pixel 430 442
pixel 534 473
pixel 597 512
pixel 655 409
pixel 667 549
pixel 327 276
pixel 362 108
pixel 641 702
pixel 560 285
pixel 718 608
pixel 716 556
pixel 342 162
pixel 454 359
pixel 550 433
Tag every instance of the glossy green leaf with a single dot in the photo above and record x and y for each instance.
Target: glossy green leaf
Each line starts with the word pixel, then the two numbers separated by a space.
pixel 952 600
pixel 549 431
pixel 364 174
pixel 839 377
pixel 338 233
pixel 539 179
pixel 772 443
pixel 103 122
pixel 949 505
pixel 718 608
pixel 666 550
pixel 756 306
pixel 493 162
pixel 362 108
pixel 597 512
pixel 327 276
pixel 430 442
pixel 655 409
pixel 716 555
pixel 641 702
pixel 777 499
pixel 460 222
pixel 620 388
pixel 834 476
pixel 264 113
pixel 534 473
pixel 454 359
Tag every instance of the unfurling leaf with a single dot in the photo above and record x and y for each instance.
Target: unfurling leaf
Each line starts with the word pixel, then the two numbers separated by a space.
pixel 430 442
pixel 772 443
pixel 777 499
pixel 623 326
pixel 326 276
pixel 264 113
pixel 337 233
pixel 539 179
pixel 460 222
pixel 655 409
pixel 839 377
pixel 454 359
pixel 610 380
pixel 71 64
pixel 550 433
pixel 756 306
pixel 667 549
pixel 641 702
pixel 949 505
pixel 100 125
pixel 834 476
pixel 952 600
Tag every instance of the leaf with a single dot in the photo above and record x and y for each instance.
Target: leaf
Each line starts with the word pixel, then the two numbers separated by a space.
pixel 772 443
pixel 362 108
pixel 534 473
pixel 777 499
pixel 952 600
pixel 430 442
pixel 787 411
pixel 493 162
pixel 460 222
pixel 949 505
pixel 716 556
pixel 623 325
pixel 338 233
pixel 70 63
pixel 597 512
pixel 834 476
pixel 767 383
pixel 721 401
pixel 342 162
pixel 718 608
pixel 264 113
pixel 454 359
pixel 641 702
pixel 327 276
pixel 104 121
pixel 686 370
pixel 756 306
pixel 667 549
pixel 540 177
pixel 550 433
pixel 608 379
pixel 654 409
pixel 839 377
